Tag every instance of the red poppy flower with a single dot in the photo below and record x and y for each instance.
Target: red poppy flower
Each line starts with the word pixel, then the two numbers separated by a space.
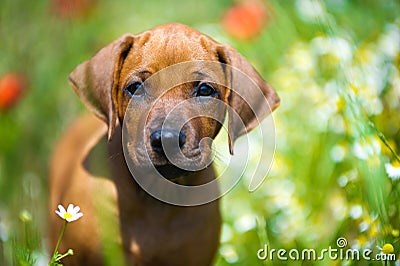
pixel 12 86
pixel 246 19
pixel 72 8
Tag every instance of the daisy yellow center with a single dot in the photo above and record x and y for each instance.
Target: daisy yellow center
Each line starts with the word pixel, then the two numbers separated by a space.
pixel 67 215
pixel 387 249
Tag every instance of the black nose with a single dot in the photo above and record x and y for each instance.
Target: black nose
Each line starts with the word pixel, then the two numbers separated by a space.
pixel 167 140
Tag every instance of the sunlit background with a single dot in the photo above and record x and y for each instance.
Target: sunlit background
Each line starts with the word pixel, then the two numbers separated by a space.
pixel 335 64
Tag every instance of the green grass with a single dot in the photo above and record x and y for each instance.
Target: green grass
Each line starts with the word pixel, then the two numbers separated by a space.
pixel 337 117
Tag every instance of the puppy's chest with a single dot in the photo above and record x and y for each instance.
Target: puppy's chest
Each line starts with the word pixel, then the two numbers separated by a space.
pixel 166 230
pixel 174 239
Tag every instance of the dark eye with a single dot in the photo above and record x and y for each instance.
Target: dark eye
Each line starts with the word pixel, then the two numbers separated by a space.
pixel 205 90
pixel 132 88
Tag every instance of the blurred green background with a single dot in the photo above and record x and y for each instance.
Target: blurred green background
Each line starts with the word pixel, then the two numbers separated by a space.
pixel 334 63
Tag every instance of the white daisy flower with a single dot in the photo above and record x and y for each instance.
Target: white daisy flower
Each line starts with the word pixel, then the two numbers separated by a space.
pixel 71 214
pixel 393 171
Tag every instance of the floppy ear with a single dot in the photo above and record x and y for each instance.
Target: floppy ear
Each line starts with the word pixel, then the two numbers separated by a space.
pixel 251 98
pixel 95 80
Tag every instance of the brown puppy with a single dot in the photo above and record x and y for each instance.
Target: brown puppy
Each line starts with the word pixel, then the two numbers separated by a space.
pixel 120 85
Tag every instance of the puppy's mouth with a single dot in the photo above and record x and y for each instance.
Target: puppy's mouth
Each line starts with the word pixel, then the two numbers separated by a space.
pixel 172 169
pixel 172 172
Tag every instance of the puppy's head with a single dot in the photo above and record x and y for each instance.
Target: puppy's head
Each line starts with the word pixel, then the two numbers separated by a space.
pixel 171 87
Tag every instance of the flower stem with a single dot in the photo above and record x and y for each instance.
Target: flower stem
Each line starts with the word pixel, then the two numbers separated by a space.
pixel 64 255
pixel 54 258
pixel 384 140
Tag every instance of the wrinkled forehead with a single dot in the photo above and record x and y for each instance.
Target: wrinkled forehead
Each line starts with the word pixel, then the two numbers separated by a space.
pixel 160 48
pixel 166 60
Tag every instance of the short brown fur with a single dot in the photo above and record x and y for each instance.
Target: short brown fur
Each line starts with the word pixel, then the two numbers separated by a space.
pixel 91 172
